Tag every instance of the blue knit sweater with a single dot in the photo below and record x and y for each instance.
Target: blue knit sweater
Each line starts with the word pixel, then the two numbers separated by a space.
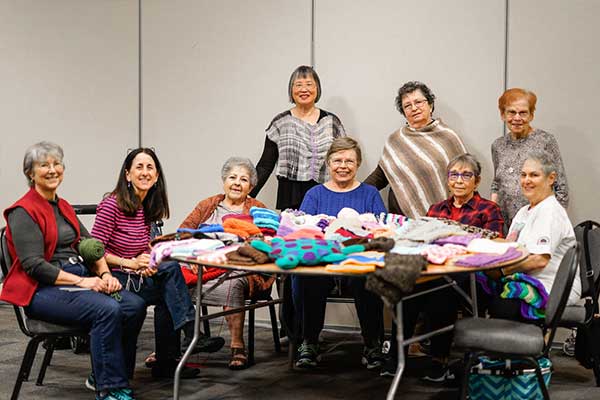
pixel 320 200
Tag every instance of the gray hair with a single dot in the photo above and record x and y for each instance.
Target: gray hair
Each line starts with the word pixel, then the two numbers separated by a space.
pixel 545 160
pixel 410 87
pixel 40 152
pixel 466 159
pixel 304 71
pixel 243 162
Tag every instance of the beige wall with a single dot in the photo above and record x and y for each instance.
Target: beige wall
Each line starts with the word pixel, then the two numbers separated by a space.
pixel 215 73
pixel 68 74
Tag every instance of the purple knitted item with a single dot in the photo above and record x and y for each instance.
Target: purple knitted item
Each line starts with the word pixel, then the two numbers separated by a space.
pixel 483 260
pixel 462 240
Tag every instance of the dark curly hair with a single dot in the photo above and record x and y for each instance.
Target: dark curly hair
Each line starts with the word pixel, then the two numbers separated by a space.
pixel 410 87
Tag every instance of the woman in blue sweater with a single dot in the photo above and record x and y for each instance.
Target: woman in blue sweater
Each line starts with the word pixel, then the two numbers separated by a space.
pixel 310 293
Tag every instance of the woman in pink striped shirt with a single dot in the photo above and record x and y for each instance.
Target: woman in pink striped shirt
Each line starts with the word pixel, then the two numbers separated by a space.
pixel 123 223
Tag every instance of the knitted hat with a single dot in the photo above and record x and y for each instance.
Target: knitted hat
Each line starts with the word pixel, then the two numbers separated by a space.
pixel 243 217
pixel 240 227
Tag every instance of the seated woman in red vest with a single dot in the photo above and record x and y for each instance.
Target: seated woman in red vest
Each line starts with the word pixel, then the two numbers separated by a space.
pixel 42 234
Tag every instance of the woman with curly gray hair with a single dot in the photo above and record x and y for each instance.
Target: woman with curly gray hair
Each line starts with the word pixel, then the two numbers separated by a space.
pixel 415 157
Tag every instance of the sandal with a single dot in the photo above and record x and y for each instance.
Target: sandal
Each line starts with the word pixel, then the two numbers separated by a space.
pixel 239 359
pixel 150 361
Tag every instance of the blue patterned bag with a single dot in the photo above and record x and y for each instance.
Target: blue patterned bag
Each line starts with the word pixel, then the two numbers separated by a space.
pixel 507 380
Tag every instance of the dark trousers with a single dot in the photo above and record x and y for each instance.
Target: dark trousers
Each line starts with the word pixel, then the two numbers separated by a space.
pixel 114 325
pixel 310 300
pixel 440 309
pixel 167 291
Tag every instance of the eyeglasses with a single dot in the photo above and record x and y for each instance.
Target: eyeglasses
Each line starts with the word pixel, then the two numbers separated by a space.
pixel 55 165
pixel 418 103
pixel 338 163
pixel 466 176
pixel 513 113
pixel 308 85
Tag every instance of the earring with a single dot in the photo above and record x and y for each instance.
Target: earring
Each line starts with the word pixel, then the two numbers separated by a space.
pixel 129 185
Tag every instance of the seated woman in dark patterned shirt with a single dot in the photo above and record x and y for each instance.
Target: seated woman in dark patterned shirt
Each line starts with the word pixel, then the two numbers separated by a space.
pixel 465 205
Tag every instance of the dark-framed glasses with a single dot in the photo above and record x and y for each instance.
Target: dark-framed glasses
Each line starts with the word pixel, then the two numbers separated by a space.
pixel 466 176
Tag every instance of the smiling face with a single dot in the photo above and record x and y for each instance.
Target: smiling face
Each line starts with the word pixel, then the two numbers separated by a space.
pixel 304 91
pixel 47 176
pixel 236 185
pixel 462 181
pixel 517 116
pixel 416 109
pixel 535 185
pixel 343 166
pixel 142 175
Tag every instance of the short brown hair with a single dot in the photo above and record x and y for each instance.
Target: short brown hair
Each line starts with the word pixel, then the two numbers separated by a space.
pixel 345 143
pixel 515 94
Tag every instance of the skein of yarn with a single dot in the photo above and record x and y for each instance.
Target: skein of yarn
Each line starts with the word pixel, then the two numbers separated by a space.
pixel 91 250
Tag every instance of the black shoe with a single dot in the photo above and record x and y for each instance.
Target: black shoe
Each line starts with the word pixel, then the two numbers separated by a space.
pixel 389 367
pixel 372 357
pixel 167 370
pixel 438 373
pixel 205 344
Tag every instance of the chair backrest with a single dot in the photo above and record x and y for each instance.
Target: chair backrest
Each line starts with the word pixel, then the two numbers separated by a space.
pixel 587 234
pixel 5 260
pixel 561 288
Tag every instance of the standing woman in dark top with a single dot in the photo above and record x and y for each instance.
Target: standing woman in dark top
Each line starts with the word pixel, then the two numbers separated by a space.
pixel 48 276
pixel 297 141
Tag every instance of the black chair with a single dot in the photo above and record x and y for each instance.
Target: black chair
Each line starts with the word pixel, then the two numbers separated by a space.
pixel 505 339
pixel 37 330
pixel 581 316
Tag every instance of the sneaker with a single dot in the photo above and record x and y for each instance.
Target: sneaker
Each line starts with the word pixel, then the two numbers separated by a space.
pixel 90 382
pixel 308 356
pixel 438 373
pixel 389 367
pixel 205 344
pixel 372 357
pixel 569 344
pixel 115 394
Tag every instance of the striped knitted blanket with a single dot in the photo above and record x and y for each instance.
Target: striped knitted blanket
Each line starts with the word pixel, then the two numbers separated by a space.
pixel 520 286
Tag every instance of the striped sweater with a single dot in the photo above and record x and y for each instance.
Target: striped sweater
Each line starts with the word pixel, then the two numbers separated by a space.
pixel 121 235
pixel 415 161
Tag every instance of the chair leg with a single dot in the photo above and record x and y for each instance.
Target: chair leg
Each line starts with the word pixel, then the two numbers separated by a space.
pixel 596 369
pixel 464 387
pixel 206 322
pixel 273 315
pixel 540 378
pixel 251 337
pixel 26 365
pixel 45 363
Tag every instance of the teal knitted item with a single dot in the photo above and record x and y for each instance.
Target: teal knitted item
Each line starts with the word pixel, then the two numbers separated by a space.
pixel 91 250
pixel 291 253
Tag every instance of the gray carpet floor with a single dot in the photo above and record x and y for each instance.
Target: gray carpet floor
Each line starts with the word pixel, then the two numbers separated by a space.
pixel 340 375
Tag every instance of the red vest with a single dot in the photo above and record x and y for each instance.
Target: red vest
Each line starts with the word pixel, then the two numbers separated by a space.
pixel 19 287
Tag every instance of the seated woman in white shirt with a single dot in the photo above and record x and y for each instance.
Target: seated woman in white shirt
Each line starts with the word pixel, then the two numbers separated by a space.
pixel 544 228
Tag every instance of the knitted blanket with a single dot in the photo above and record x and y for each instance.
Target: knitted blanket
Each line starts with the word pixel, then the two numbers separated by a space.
pixel 520 286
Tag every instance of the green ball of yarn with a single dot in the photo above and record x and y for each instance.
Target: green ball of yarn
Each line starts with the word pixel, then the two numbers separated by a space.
pixel 91 250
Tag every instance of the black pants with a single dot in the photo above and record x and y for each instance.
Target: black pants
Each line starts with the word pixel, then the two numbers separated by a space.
pixel 440 309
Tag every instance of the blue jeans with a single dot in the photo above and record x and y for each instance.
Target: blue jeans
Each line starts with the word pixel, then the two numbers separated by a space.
pixel 310 293
pixel 114 325
pixel 167 291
